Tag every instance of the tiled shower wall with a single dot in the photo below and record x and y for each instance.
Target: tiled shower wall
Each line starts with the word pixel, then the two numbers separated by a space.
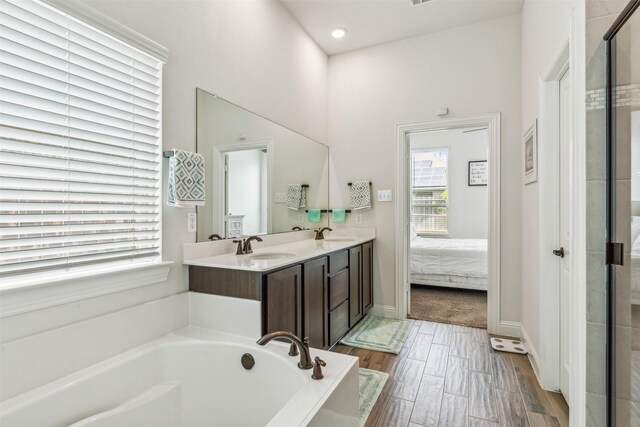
pixel 600 16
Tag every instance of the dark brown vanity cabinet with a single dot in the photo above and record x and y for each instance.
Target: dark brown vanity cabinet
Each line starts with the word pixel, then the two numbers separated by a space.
pixel 355 285
pixel 367 276
pixel 283 308
pixel 320 299
pixel 360 282
pixel 338 305
pixel 315 290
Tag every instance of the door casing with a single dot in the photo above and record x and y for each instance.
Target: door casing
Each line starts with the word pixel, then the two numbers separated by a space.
pixel 403 215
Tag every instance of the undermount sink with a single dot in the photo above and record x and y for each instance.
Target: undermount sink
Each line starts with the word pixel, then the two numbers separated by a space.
pixel 271 255
pixel 339 239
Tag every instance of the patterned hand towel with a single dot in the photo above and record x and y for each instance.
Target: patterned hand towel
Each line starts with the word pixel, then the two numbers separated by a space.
pixel 314 215
pixel 361 195
pixel 186 179
pixel 338 215
pixel 296 196
pixel 303 197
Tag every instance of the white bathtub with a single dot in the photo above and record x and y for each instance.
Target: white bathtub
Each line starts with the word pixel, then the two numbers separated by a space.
pixel 194 378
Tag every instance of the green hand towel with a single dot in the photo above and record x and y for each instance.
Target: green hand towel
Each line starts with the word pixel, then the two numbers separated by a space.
pixel 313 215
pixel 339 215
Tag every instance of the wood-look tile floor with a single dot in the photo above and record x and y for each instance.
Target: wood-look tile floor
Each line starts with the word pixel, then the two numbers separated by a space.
pixel 448 375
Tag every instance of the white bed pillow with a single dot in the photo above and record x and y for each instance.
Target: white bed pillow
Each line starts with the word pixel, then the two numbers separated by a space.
pixel 413 234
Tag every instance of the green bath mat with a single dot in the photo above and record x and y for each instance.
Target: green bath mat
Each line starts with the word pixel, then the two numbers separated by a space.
pixel 371 385
pixel 379 334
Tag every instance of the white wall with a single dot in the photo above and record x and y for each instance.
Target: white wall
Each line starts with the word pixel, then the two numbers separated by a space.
pixel 472 70
pixel 543 25
pixel 251 52
pixel 468 207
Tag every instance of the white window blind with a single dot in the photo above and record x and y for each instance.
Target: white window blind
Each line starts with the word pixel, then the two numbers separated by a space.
pixel 429 193
pixel 80 149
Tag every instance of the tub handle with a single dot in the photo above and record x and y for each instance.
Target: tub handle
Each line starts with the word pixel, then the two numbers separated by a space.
pixel 317 368
pixel 293 349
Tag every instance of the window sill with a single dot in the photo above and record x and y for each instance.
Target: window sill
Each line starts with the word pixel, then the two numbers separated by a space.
pixel 39 294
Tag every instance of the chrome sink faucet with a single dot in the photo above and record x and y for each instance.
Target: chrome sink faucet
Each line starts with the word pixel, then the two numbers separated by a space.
pixel 303 346
pixel 320 231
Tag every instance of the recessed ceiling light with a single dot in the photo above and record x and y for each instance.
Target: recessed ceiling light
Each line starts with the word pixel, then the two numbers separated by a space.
pixel 338 33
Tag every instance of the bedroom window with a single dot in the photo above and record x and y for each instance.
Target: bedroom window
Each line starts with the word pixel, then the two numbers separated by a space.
pixel 429 191
pixel 80 148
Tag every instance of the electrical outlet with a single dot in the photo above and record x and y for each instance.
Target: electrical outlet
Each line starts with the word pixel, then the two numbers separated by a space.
pixel 358 219
pixel 192 222
pixel 300 218
pixel 281 197
pixel 384 196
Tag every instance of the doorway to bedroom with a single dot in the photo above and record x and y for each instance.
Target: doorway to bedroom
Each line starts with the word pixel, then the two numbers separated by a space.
pixel 448 201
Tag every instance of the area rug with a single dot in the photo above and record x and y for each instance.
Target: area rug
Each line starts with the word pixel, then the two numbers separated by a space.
pixel 371 385
pixel 446 305
pixel 379 334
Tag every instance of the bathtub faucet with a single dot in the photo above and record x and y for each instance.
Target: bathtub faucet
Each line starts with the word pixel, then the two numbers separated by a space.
pixel 303 348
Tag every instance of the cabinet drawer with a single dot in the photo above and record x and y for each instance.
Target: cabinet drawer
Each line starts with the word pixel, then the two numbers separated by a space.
pixel 338 289
pixel 338 261
pixel 338 322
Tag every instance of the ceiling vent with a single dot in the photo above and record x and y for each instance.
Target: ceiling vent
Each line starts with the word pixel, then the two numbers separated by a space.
pixel 418 2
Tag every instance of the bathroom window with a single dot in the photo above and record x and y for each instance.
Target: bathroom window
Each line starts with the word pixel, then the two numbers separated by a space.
pixel 80 147
pixel 429 191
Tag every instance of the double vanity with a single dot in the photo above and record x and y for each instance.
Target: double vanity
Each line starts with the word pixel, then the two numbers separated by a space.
pixel 313 288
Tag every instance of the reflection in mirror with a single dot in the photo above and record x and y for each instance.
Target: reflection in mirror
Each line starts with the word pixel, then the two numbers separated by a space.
pixel 250 163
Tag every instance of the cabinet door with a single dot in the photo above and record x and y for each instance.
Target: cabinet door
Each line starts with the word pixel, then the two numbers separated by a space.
pixel 315 302
pixel 338 288
pixel 355 285
pixel 284 301
pixel 367 276
pixel 338 322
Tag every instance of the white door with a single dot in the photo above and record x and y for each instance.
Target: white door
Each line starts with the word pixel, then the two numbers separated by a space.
pixel 565 229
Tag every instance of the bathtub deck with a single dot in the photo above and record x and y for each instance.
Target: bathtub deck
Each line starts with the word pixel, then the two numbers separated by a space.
pixel 449 375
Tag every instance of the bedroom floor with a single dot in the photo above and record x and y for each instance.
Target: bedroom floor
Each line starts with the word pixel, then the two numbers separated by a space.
pixel 449 305
pixel 450 376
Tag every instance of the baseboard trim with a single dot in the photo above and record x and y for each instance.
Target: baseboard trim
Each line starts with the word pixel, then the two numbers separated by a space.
pixel 534 357
pixel 384 311
pixel 510 329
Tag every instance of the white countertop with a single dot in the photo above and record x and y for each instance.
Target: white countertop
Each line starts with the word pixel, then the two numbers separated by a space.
pixel 296 252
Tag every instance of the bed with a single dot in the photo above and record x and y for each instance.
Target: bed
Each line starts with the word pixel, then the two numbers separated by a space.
pixel 635 260
pixel 453 263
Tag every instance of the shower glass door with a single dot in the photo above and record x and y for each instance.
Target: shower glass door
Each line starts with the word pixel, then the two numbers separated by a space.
pixel 623 217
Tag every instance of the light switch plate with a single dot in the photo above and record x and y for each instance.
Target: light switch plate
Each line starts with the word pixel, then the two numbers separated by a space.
pixel 300 218
pixel 384 196
pixel 281 197
pixel 358 219
pixel 192 222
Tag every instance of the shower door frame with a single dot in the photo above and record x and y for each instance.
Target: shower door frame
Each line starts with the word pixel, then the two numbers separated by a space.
pixel 614 250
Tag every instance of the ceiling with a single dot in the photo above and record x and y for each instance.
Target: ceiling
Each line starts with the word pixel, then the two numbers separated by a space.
pixel 373 22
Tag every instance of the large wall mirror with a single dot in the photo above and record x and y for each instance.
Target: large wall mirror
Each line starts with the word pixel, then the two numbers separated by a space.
pixel 252 167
